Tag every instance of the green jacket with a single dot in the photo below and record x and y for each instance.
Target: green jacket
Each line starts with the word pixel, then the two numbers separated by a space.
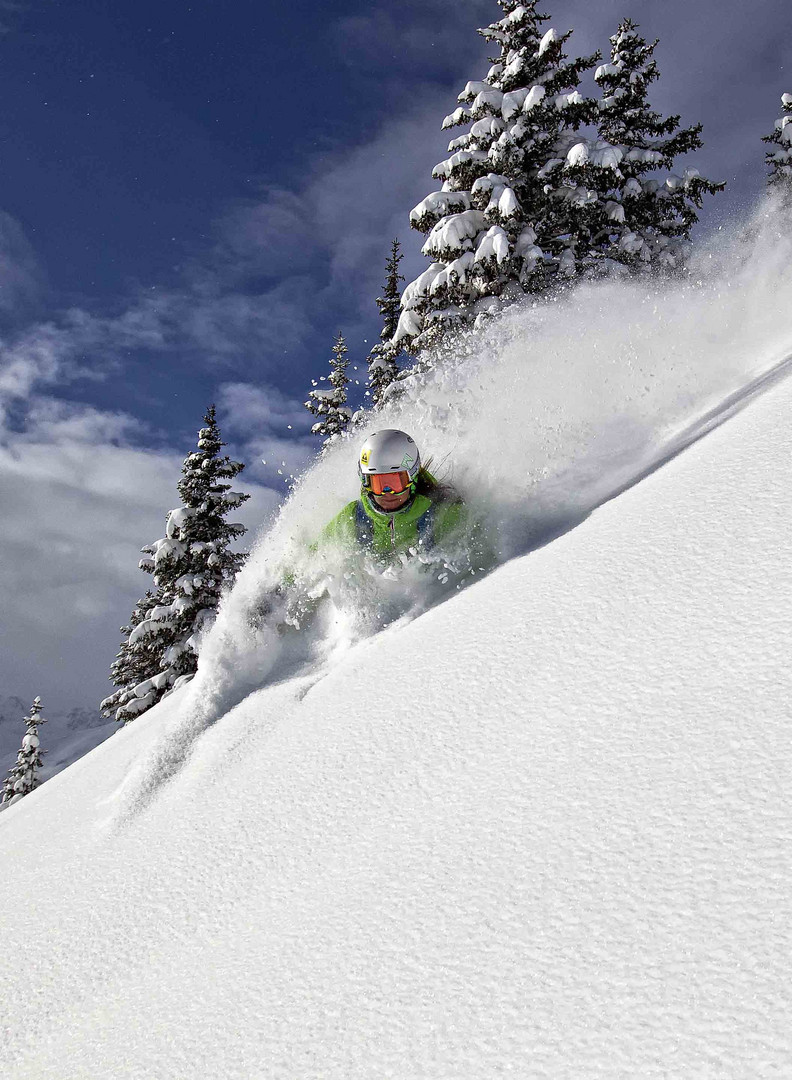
pixel 422 523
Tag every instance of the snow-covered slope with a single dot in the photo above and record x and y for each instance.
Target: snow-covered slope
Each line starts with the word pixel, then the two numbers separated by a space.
pixel 541 829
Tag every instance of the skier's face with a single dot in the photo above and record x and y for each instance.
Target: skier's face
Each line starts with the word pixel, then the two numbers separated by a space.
pixel 389 490
pixel 392 502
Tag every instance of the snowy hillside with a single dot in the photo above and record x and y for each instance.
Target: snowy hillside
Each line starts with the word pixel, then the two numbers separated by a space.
pixel 540 829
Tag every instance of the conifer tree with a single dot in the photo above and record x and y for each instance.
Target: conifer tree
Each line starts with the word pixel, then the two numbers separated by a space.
pixel 780 159
pixel 382 365
pixel 622 211
pixel 191 565
pixel 493 229
pixel 22 777
pixel 330 405
pixel 136 663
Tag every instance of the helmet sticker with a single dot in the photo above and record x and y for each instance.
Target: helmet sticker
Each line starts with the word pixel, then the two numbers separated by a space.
pixel 407 461
pixel 364 457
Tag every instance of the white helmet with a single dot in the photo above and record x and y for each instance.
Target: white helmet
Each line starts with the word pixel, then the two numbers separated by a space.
pixel 389 451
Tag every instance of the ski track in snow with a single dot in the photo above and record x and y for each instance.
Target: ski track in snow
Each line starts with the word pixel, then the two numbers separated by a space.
pixel 538 420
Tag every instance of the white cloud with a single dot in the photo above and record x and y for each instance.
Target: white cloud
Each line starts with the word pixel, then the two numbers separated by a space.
pixel 269 236
pixel 48 353
pixel 434 37
pixel 26 364
pixel 205 321
pixel 245 407
pixel 283 266
pixel 20 277
pixel 9 8
pixel 76 510
pixel 62 424
pixel 342 219
pixel 271 430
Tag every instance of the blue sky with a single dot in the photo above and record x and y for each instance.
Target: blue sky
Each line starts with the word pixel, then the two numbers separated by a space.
pixel 195 198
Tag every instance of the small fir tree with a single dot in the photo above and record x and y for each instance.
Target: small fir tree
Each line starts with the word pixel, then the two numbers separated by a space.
pixel 494 231
pixel 23 775
pixel 192 565
pixel 779 160
pixel 330 405
pixel 622 212
pixel 382 365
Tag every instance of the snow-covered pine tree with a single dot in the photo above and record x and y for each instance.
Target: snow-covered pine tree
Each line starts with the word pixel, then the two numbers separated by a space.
pixel 623 212
pixel 192 565
pixel 22 777
pixel 330 405
pixel 382 360
pixel 134 663
pixel 780 160
pixel 382 365
pixel 493 229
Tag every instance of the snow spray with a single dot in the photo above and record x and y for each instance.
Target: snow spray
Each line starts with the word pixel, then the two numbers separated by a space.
pixel 536 418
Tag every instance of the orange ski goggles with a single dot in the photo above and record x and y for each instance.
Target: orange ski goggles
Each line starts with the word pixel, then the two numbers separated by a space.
pixel 389 483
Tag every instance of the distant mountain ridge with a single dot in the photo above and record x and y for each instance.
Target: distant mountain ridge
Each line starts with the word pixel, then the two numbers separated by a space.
pixel 11 708
pixel 80 719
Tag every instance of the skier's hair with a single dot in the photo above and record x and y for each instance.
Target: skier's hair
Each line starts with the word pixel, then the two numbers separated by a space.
pixel 433 486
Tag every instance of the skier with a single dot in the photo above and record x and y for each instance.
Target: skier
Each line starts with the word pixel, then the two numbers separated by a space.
pixel 402 508
pixel 403 512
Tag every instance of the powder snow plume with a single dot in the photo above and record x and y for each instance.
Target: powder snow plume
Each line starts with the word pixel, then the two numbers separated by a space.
pixel 536 419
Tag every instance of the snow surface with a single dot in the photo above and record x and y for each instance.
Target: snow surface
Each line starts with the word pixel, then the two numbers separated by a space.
pixel 540 829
